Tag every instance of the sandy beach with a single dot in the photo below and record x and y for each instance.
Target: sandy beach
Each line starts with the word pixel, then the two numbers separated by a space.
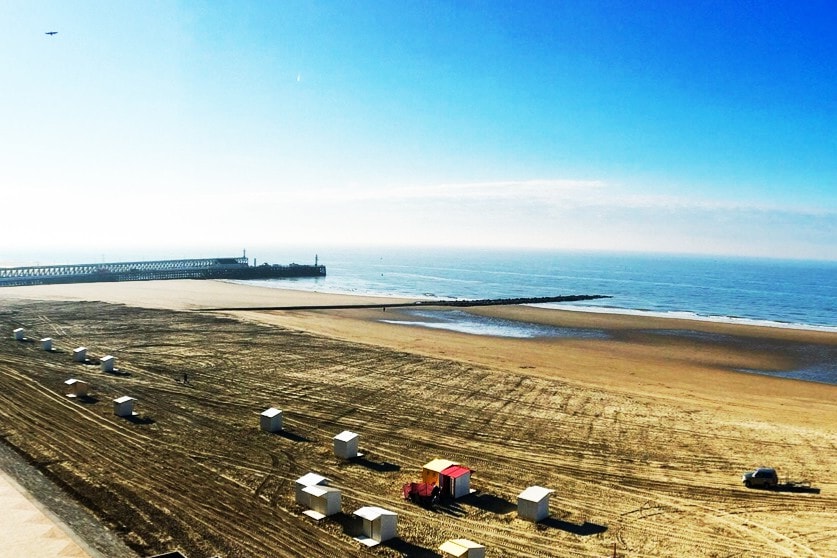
pixel 642 365
pixel 643 434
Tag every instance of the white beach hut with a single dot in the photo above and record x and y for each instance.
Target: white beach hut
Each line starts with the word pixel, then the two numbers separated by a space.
pixel 323 501
pixel 308 479
pixel 533 503
pixel 462 548
pixel 76 388
pixel 18 334
pixel 107 363
pixel 271 420
pixel 46 343
pixel 345 445
pixel 80 354
pixel 378 525
pixel 124 406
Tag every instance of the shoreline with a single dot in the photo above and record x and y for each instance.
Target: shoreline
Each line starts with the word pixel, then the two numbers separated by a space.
pixel 167 294
pixel 680 315
pixel 235 297
pixel 730 320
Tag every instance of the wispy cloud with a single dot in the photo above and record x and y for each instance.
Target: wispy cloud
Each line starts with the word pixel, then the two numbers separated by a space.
pixel 511 189
pixel 689 203
pixel 558 194
pixel 508 189
pixel 596 194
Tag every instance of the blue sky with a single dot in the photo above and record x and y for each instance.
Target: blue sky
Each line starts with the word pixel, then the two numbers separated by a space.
pixel 686 127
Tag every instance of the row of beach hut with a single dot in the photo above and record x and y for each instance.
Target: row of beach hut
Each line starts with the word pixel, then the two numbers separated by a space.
pixel 320 500
pixel 454 481
pixel 345 443
pixel 107 362
pixel 312 491
pixel 377 524
pixel 122 406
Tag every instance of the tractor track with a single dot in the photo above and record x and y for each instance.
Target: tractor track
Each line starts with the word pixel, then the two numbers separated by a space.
pixel 193 471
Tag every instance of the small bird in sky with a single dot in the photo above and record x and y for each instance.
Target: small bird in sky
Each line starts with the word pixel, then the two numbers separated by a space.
pixel 51 32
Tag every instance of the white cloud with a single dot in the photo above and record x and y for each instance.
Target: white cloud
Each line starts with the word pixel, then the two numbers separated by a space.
pixel 521 189
pixel 593 194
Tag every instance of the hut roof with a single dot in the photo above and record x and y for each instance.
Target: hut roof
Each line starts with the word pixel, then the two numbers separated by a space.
pixel 459 547
pixel 72 381
pixel 123 399
pixel 345 436
pixel 372 512
pixel 311 479
pixel 439 465
pixel 535 493
pixel 319 490
pixel 272 412
pixel 455 471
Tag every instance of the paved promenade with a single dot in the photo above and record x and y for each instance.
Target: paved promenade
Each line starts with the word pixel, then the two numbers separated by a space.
pixel 27 529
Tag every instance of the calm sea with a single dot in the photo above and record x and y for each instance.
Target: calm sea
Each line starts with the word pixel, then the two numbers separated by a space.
pixel 776 293
pixel 797 294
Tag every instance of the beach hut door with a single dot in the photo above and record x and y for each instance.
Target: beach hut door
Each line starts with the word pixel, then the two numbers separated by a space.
pixel 446 485
pixel 376 529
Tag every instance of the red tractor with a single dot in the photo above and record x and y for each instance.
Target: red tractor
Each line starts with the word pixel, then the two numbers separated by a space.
pixel 424 494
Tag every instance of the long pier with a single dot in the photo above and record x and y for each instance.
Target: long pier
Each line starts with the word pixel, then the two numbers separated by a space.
pixel 200 268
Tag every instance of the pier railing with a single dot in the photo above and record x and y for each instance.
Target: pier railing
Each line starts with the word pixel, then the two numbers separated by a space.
pixel 201 268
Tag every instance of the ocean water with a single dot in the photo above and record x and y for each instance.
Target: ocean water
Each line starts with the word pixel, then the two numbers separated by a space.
pixel 780 293
pixel 775 293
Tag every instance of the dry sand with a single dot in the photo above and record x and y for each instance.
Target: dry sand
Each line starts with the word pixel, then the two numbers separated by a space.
pixel 182 294
pixel 663 420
